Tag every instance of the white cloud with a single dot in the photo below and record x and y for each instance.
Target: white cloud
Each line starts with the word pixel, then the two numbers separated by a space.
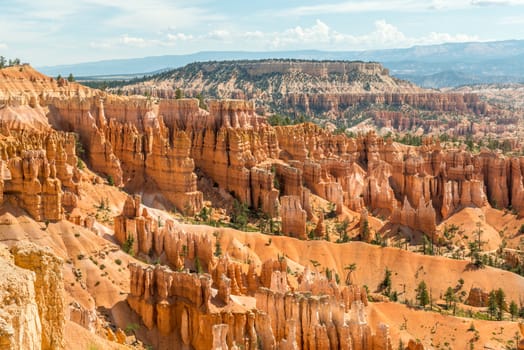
pixel 321 36
pixel 162 39
pixel 360 6
pixel 133 41
pixel 179 37
pixel 3 46
pixel 318 33
pixel 318 36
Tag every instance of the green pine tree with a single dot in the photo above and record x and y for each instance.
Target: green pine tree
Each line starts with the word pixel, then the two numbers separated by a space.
pixel 492 304
pixel 501 303
pixel 513 309
pixel 422 294
pixel 449 297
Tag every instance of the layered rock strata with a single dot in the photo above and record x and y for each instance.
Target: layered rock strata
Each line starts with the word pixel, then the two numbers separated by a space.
pixel 153 147
pixel 179 304
pixel 147 235
pixel 32 298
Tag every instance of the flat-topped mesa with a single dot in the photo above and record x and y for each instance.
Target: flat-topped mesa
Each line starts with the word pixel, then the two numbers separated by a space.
pixel 270 82
pixel 321 69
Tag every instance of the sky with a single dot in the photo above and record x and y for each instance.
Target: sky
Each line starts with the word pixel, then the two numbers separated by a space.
pixel 53 32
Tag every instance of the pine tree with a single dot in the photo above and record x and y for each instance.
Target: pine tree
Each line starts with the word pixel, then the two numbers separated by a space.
pixel 492 304
pixel 449 297
pixel 70 78
pixel 422 294
pixel 501 303
pixel 385 286
pixel 513 309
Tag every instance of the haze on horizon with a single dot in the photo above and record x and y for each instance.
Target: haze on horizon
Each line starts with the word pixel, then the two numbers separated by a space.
pixel 52 32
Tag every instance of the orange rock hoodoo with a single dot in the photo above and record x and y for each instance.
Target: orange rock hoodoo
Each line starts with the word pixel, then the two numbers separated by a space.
pixel 136 142
pixel 178 305
pixel 40 173
pixel 420 100
pixel 153 148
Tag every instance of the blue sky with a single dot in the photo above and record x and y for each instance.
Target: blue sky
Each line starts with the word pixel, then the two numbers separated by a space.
pixel 51 32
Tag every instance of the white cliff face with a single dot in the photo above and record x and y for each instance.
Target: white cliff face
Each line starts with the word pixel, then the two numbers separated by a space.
pixel 20 326
pixel 31 298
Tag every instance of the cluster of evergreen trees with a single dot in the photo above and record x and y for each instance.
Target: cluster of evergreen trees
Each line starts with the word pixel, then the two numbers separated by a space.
pixel 4 62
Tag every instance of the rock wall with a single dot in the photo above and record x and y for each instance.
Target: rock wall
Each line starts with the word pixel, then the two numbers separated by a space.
pixel 148 236
pixel 418 187
pixel 293 217
pixel 181 306
pixel 153 146
pixel 32 298
pixel 20 326
pixel 49 290
pixel 39 171
pixel 338 102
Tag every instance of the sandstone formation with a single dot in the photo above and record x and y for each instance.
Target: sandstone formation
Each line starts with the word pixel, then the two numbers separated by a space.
pixel 151 146
pixel 49 290
pixel 33 309
pixel 40 171
pixel 421 100
pixel 20 326
pixel 196 296
pixel 147 235
pixel 293 217
pixel 178 304
pixel 478 297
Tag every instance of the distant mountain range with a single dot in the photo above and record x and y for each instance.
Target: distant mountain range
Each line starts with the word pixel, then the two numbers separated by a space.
pixel 432 66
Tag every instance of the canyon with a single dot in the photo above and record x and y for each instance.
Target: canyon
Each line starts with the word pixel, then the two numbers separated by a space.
pixel 348 96
pixel 144 221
